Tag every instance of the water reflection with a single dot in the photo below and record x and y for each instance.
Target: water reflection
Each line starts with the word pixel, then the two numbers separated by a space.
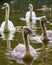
pixel 44 56
pixel 6 53
pixel 8 37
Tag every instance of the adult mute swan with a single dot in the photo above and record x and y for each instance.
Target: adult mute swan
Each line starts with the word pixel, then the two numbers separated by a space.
pixel 24 52
pixel 46 34
pixel 7 25
pixel 30 16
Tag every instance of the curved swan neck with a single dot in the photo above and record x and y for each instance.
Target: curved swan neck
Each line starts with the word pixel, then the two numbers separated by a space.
pixel 26 41
pixel 45 37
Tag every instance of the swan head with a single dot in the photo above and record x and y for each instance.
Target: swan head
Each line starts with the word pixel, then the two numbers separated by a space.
pixel 30 6
pixel 27 31
pixel 5 6
pixel 44 19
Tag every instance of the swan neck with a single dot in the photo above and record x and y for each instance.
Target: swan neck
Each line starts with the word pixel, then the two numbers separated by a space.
pixel 6 29
pixel 30 14
pixel 26 41
pixel 7 14
pixel 43 29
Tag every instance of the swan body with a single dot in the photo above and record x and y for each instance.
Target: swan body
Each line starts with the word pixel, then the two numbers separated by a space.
pixel 10 26
pixel 19 52
pixel 33 19
pixel 22 51
pixel 7 25
pixel 39 39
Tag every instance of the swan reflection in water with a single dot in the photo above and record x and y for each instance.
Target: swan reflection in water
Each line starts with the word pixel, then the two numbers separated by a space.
pixel 44 56
pixel 7 37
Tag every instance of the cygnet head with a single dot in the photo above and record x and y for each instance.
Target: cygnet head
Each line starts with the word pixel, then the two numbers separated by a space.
pixel 27 31
pixel 30 6
pixel 5 6
pixel 44 19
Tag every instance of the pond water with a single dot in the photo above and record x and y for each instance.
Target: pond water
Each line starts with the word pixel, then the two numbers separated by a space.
pixel 9 41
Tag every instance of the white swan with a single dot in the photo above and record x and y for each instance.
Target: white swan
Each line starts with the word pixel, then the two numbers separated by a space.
pixel 24 52
pixel 45 8
pixel 7 25
pixel 30 16
pixel 46 34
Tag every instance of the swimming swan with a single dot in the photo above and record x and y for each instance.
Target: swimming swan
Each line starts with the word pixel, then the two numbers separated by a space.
pixel 46 34
pixel 30 16
pixel 24 52
pixel 7 25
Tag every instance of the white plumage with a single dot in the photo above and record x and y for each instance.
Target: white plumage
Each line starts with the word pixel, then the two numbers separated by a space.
pixel 10 26
pixel 7 25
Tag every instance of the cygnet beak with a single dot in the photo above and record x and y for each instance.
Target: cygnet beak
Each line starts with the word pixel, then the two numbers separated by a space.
pixel 31 33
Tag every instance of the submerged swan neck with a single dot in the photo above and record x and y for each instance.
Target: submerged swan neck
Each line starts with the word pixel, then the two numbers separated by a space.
pixel 26 41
